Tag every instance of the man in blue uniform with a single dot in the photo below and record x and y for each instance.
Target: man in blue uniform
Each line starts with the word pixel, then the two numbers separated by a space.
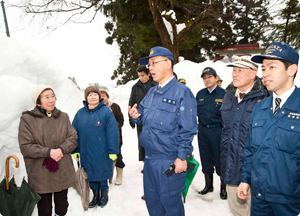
pixel 272 155
pixel 209 101
pixel 168 115
pixel 241 95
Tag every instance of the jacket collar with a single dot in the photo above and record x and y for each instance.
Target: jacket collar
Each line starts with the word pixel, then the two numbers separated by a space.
pixel 292 103
pixel 101 104
pixel 36 113
pixel 256 90
pixel 166 87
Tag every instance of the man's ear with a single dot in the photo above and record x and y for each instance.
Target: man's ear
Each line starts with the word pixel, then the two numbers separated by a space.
pixel 254 73
pixel 292 69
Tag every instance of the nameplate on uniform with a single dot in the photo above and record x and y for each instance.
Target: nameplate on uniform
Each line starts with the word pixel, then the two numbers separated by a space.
pixel 295 116
pixel 168 101
pixel 202 99
pixel 219 100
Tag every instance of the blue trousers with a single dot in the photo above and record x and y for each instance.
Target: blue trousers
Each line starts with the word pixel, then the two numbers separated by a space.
pixel 162 193
pixel 209 142
pixel 100 185
pixel 260 207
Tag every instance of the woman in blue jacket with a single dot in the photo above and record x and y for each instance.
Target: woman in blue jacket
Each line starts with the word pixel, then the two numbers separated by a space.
pixel 98 143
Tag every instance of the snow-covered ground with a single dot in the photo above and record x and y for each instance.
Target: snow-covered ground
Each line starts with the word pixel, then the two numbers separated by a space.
pixel 22 68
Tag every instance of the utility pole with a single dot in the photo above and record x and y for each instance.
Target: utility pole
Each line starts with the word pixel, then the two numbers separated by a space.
pixel 5 20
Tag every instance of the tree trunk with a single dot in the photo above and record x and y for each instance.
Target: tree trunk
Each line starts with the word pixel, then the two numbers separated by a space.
pixel 162 30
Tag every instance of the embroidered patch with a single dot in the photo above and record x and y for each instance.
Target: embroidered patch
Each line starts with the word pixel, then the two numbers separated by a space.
pixel 219 100
pixel 98 123
pixel 258 101
pixel 169 101
pixel 202 99
pixel 295 116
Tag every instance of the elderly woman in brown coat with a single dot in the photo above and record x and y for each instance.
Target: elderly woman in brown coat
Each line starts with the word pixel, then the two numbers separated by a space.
pixel 46 139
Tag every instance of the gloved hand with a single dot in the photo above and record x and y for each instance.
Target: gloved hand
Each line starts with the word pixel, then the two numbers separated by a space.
pixel 76 156
pixel 113 157
pixel 132 124
pixel 50 164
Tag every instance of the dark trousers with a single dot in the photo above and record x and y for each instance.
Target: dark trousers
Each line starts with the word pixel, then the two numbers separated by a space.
pixel 162 193
pixel 60 202
pixel 141 148
pixel 209 142
pixel 260 207
pixel 99 185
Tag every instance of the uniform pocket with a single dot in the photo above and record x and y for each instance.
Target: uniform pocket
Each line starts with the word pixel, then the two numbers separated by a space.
pixel 288 138
pixel 257 132
pixel 177 183
pixel 164 118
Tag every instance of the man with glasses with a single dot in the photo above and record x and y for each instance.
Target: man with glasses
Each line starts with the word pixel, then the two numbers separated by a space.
pixel 272 155
pixel 241 95
pixel 168 114
pixel 209 101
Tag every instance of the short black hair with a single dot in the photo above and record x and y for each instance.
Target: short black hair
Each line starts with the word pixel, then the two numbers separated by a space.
pixel 288 63
pixel 142 68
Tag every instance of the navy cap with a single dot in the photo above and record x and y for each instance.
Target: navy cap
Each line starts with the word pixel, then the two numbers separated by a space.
pixel 280 51
pixel 208 70
pixel 157 51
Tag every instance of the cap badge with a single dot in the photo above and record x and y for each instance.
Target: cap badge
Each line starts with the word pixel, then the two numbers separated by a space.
pixel 206 70
pixel 151 52
pixel 273 48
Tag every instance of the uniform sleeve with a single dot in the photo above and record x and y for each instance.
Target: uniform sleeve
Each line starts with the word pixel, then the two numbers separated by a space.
pixel 29 148
pixel 112 133
pixel 70 142
pixel 246 167
pixel 76 128
pixel 187 125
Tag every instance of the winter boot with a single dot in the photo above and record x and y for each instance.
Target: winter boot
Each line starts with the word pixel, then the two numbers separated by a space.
pixel 104 198
pixel 114 165
pixel 208 184
pixel 223 192
pixel 95 199
pixel 119 177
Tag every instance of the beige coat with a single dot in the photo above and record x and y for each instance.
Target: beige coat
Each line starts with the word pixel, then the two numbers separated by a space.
pixel 39 133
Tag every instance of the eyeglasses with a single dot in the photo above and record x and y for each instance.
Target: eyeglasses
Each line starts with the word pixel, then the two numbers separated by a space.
pixel 153 63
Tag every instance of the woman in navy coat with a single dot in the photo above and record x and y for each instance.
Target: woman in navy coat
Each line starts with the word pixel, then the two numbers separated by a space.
pixel 98 143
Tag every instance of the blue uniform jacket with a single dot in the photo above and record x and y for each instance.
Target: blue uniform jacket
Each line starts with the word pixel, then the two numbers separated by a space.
pixel 235 121
pixel 208 106
pixel 272 154
pixel 98 136
pixel 169 120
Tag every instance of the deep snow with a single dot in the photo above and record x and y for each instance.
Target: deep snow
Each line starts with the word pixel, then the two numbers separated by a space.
pixel 22 68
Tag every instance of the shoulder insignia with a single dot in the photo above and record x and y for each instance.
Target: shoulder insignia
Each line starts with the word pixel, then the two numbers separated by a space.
pixel 219 100
pixel 202 99
pixel 295 116
pixel 169 101
pixel 258 101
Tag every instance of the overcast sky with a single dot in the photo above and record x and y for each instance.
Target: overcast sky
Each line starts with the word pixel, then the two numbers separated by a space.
pixel 78 49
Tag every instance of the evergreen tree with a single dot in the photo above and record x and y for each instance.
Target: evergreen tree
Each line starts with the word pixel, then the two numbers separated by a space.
pixel 133 28
pixel 250 17
pixel 287 28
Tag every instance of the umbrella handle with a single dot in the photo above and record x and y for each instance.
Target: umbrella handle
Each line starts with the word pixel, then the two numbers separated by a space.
pixel 7 168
